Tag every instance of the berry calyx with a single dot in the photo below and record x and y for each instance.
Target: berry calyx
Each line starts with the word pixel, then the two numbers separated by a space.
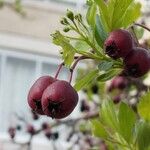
pixel 59 99
pixel 35 116
pixel 36 91
pixel 137 63
pixel 119 44
pixel 117 99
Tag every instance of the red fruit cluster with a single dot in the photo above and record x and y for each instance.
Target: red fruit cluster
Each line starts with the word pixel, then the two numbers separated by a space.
pixel 52 97
pixel 120 44
pixel 119 82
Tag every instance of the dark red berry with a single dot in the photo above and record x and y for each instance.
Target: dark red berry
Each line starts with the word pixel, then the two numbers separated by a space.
pixel 48 134
pixel 45 126
pixel 103 146
pixel 119 82
pixel 31 129
pixel 119 44
pixel 36 91
pixel 84 106
pixel 35 116
pixel 12 132
pixel 59 99
pixel 137 63
pixel 117 99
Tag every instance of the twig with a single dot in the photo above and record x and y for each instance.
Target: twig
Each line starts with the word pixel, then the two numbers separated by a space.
pixel 75 64
pixel 143 26
pixel 21 118
pixel 71 122
pixel 59 68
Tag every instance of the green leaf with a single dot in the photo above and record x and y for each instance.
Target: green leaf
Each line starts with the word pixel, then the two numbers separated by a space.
pixel 90 16
pixel 117 9
pixel 131 15
pixel 100 32
pixel 85 126
pixel 127 119
pixel 89 54
pixel 85 80
pixel 123 13
pixel 105 65
pixel 108 115
pixel 144 106
pixel 103 10
pixel 68 50
pixel 108 75
pixel 81 46
pixel 118 13
pixel 98 129
pixel 139 32
pixel 143 135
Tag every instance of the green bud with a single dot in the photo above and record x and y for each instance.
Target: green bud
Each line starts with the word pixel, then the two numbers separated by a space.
pixel 89 2
pixel 70 15
pixel 64 21
pixel 61 52
pixel 67 29
pixel 78 17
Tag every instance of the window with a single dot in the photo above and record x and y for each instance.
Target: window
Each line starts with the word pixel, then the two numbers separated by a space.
pixel 18 71
pixel 68 2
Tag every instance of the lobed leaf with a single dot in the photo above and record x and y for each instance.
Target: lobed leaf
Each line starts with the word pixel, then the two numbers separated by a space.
pixel 118 13
pixel 68 50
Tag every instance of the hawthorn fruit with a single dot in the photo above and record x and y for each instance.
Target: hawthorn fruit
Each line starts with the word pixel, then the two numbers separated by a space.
pixel 36 92
pixel 59 99
pixel 137 63
pixel 119 44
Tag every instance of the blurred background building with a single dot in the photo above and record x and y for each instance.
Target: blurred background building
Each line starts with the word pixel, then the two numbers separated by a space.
pixel 26 52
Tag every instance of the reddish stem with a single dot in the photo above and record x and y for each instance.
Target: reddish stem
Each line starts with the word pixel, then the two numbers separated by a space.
pixel 58 71
pixel 74 65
